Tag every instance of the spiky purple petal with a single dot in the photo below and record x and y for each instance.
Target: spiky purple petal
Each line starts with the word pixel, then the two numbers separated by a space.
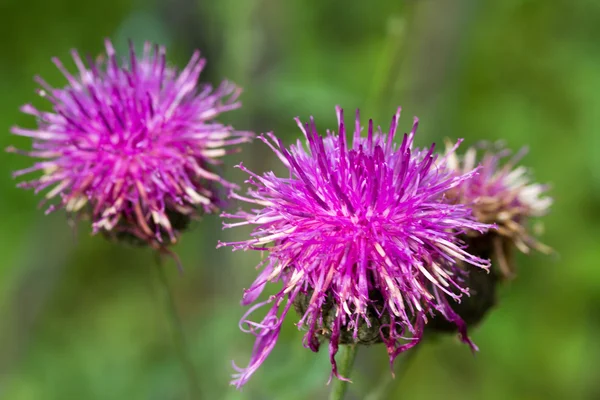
pixel 351 219
pixel 132 141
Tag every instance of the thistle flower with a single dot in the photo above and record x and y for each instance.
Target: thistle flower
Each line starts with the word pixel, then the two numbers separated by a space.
pixel 131 144
pixel 501 193
pixel 361 237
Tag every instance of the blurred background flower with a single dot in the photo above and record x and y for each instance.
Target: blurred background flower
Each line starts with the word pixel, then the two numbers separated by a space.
pixel 131 143
pixel 82 319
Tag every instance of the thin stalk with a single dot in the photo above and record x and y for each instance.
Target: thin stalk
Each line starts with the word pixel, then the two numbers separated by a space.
pixel 389 64
pixel 339 387
pixel 177 332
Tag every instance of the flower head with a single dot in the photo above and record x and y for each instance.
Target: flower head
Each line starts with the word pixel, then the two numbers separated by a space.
pixel 501 193
pixel 361 237
pixel 131 143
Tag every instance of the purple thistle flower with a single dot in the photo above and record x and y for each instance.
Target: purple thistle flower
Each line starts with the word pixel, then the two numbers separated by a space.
pixel 361 237
pixel 501 193
pixel 131 144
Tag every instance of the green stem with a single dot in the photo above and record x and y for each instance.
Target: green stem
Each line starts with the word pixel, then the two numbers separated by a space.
pixel 177 332
pixel 339 387
pixel 385 387
pixel 391 57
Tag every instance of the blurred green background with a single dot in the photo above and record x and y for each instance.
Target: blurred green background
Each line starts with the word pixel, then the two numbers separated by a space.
pixel 84 319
